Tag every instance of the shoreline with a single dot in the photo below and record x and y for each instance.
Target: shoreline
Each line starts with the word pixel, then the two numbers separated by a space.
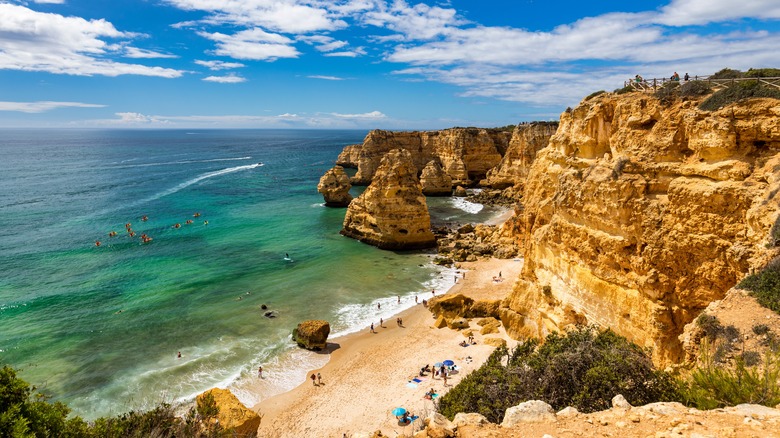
pixel 366 374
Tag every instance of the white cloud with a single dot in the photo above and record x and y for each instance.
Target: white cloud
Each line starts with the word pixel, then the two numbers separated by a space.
pixel 219 65
pixel 327 78
pixel 36 41
pixel 359 51
pixel 286 16
pixel 227 79
pixel 138 118
pixel 693 12
pixel 53 2
pixel 42 106
pixel 372 115
pixel 134 52
pixel 255 44
pixel 418 22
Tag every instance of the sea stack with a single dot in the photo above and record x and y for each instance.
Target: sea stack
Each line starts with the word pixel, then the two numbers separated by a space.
pixel 391 213
pixel 334 186
pixel 435 181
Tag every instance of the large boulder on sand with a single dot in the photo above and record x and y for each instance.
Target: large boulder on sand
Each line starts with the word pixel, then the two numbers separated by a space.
pixel 438 426
pixel 232 413
pixel 334 186
pixel 312 334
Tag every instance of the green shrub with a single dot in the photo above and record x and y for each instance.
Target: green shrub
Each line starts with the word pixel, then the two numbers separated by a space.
pixel 714 386
pixel 765 285
pixel 774 233
pixel 583 368
pixel 710 325
pixel 207 406
pixel 624 90
pixel 763 73
pixel 761 329
pixel 668 92
pixel 737 92
pixel 26 413
pixel 594 94
pixel 727 73
pixel 695 88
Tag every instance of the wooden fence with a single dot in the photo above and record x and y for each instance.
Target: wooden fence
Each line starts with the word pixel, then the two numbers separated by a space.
pixel 651 85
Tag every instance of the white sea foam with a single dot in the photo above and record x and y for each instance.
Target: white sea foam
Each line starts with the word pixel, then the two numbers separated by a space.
pixel 199 178
pixel 467 206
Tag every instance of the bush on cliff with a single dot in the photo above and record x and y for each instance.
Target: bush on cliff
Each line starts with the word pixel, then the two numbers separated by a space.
pixel 583 368
pixel 737 92
pixel 726 73
pixel 24 412
pixel 765 285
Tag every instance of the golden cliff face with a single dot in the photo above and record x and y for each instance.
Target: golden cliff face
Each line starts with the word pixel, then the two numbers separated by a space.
pixel 464 153
pixel 391 213
pixel 638 215
pixel 527 140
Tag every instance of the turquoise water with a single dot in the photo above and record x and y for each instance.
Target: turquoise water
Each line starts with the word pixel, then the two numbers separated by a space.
pixel 100 327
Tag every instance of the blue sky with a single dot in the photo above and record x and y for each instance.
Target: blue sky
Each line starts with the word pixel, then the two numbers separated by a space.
pixel 353 63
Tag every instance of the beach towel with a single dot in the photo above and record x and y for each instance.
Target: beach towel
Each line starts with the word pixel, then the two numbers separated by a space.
pixel 416 380
pixel 411 385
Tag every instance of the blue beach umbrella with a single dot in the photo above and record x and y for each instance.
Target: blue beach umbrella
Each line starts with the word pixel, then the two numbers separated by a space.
pixel 448 363
pixel 399 411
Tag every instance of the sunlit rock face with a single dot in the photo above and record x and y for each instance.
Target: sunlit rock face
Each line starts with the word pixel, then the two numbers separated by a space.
pixel 638 215
pixel 391 213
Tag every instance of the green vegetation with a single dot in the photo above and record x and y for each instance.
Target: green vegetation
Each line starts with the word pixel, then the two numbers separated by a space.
pixel 624 90
pixel 695 88
pixel 714 386
pixel 594 94
pixel 727 73
pixel 765 285
pixel 25 413
pixel 737 92
pixel 763 73
pixel 583 368
pixel 668 92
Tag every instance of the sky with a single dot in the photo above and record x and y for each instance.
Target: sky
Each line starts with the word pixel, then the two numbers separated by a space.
pixel 353 64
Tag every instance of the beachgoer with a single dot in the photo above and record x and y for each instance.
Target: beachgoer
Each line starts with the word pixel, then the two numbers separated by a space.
pixel 415 299
pixel 433 292
pixel 205 222
pixel 144 218
pixel 444 376
pixel 675 77
pixel 178 355
pixel 314 379
pixel 638 79
pixel 260 372
pixel 399 299
pixel 263 306
pixel 177 226
pixel 196 215
pixel 319 378
pixel 381 323
pixel 287 256
pixel 378 306
pixel 97 243
pixel 499 274
pixel 372 328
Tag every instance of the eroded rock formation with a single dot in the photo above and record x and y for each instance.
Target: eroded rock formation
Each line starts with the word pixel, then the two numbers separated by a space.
pixel 527 140
pixel 334 186
pixel 233 415
pixel 391 213
pixel 312 334
pixel 349 156
pixel 466 154
pixel 435 181
pixel 638 215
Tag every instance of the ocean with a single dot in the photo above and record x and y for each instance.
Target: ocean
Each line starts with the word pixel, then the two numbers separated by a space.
pixel 100 327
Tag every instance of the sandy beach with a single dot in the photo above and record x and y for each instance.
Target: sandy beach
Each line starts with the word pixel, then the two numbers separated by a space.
pixel 368 374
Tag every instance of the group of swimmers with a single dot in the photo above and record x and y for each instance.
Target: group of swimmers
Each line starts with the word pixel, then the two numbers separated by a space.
pixel 144 237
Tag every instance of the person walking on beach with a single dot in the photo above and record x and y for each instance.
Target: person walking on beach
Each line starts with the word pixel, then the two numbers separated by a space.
pixel 444 376
pixel 319 378
pixel 378 306
pixel 399 299
pixel 260 372
pixel 415 299
pixel 314 379
pixel 381 323
pixel 372 328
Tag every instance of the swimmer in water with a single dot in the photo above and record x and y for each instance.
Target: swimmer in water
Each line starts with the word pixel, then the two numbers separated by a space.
pixel 189 221
pixel 97 243
pixel 144 218
pixel 177 226
pixel 196 215
pixel 112 234
pixel 205 222
pixel 127 225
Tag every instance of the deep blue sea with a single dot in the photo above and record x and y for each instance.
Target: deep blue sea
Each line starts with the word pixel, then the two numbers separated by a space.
pixel 99 327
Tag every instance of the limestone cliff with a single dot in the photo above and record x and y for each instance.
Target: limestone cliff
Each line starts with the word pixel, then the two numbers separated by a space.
pixel 527 140
pixel 638 215
pixel 464 153
pixel 349 156
pixel 334 186
pixel 391 213
pixel 435 181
